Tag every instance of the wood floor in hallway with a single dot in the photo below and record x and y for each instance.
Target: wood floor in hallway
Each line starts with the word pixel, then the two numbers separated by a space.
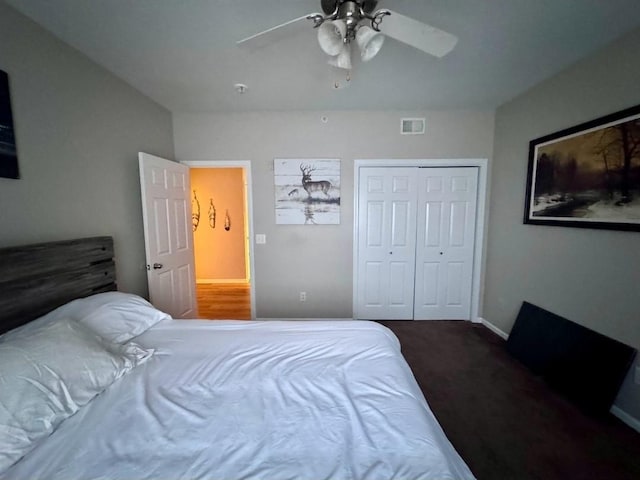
pixel 231 301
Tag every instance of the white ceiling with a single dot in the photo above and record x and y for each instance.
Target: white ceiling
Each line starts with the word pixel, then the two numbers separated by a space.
pixel 183 53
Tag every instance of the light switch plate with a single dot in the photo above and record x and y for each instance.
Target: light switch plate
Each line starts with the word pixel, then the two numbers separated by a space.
pixel 261 238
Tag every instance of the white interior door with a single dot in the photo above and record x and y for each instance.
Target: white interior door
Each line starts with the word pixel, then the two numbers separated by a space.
pixel 168 232
pixel 386 243
pixel 445 242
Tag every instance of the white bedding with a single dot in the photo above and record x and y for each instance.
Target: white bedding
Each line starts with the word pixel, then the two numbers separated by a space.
pixel 243 400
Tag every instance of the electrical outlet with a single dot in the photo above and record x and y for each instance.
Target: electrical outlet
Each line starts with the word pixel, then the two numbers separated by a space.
pixel 303 296
pixel 636 377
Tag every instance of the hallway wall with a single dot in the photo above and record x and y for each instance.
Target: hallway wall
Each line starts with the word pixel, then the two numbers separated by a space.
pixel 219 253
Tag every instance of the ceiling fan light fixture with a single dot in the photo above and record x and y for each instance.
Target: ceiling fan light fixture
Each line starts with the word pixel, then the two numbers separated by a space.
pixel 331 37
pixel 343 59
pixel 369 42
pixel 342 23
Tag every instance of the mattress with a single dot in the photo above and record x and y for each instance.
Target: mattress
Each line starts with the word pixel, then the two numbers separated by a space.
pixel 255 400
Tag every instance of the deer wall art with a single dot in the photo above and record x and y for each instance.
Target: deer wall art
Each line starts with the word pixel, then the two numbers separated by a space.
pixel 307 191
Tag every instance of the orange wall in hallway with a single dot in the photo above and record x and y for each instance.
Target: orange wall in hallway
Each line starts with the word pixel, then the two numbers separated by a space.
pixel 220 254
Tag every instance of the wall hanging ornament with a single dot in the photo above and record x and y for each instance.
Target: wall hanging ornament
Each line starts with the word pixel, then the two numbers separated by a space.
pixel 195 211
pixel 227 221
pixel 307 191
pixel 212 214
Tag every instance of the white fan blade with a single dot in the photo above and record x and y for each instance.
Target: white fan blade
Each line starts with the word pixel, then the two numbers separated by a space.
pixel 277 33
pixel 424 37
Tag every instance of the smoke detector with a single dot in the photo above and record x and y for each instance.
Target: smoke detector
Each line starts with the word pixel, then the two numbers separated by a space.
pixel 240 88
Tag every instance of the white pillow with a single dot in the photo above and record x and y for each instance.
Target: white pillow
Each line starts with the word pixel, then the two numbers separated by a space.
pixel 47 374
pixel 115 316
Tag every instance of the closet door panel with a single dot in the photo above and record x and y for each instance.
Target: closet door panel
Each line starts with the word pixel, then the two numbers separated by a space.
pixel 386 222
pixel 445 237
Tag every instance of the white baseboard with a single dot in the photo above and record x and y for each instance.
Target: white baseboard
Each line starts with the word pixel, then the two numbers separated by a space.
pixel 493 328
pixel 630 420
pixel 226 280
pixel 268 319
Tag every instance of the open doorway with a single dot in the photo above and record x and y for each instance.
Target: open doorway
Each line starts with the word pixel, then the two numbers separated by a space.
pixel 221 209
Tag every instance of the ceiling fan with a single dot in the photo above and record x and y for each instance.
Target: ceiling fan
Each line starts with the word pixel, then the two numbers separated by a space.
pixel 345 22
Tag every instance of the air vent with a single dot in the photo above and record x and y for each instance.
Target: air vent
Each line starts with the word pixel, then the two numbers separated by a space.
pixel 412 126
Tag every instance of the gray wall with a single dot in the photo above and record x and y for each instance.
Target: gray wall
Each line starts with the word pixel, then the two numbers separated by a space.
pixel 318 259
pixel 78 131
pixel 589 276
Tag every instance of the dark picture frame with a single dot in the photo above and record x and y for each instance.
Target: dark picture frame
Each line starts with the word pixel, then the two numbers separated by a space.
pixel 8 151
pixel 587 176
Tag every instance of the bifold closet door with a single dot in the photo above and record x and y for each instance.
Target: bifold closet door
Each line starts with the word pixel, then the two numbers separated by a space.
pixel 386 243
pixel 416 241
pixel 445 243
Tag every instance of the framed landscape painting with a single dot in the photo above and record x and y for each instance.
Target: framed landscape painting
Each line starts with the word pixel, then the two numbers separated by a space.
pixel 588 175
pixel 307 191
pixel 8 154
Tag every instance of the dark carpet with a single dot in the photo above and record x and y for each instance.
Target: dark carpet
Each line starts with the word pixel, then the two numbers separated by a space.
pixel 505 422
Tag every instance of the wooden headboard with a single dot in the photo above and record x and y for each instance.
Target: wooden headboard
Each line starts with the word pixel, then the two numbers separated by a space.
pixel 35 279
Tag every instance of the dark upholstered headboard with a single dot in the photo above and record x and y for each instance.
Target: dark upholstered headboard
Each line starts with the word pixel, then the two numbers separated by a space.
pixel 35 279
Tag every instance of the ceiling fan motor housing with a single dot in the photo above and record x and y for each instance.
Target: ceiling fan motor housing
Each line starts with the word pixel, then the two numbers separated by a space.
pixel 350 13
pixel 330 6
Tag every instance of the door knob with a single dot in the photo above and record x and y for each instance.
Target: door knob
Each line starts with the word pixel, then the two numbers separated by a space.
pixel 157 266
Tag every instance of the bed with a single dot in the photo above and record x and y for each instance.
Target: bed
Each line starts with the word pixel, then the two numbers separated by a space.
pixel 130 393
